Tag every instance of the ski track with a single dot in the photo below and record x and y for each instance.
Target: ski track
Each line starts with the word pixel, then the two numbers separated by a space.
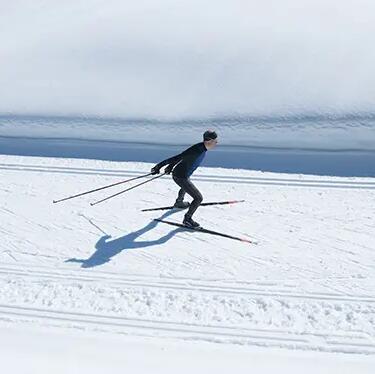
pixel 179 292
pixel 296 182
pixel 32 307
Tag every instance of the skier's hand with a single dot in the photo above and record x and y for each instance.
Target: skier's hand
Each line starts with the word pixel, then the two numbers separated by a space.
pixel 155 170
pixel 168 169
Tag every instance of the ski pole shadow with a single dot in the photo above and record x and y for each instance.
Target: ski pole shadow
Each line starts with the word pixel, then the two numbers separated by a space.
pixel 107 249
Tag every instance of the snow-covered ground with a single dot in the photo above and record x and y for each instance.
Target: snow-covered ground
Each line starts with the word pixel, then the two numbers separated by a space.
pixel 288 86
pixel 319 145
pixel 105 286
pixel 319 132
pixel 37 350
pixel 186 58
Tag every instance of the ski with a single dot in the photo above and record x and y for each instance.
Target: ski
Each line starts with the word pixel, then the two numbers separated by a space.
pixel 203 204
pixel 201 229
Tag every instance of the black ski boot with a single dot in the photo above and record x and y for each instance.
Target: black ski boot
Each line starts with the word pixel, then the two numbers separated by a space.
pixel 188 221
pixel 181 204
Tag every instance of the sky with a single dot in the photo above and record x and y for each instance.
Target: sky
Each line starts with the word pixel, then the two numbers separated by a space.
pixel 177 59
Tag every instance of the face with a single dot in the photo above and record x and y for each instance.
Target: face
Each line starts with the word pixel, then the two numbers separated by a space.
pixel 211 143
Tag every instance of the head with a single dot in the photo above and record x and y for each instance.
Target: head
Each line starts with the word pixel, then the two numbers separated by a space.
pixel 210 139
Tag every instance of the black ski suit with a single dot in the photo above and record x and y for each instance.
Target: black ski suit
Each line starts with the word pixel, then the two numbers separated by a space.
pixel 182 166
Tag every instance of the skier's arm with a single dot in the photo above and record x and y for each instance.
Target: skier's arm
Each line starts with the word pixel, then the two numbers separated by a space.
pixel 172 161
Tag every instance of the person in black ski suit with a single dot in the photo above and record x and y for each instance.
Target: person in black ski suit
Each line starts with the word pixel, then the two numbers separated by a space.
pixel 182 167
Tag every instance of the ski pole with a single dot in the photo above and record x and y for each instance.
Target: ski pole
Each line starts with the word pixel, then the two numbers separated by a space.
pixel 128 189
pixel 101 188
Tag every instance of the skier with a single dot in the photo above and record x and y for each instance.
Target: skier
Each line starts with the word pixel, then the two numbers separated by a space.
pixel 182 167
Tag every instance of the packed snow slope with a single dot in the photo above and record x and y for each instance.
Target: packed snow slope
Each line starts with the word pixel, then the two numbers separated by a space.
pixel 186 58
pixel 307 285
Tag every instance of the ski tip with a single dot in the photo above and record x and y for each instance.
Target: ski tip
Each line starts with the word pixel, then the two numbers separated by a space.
pixel 235 201
pixel 248 241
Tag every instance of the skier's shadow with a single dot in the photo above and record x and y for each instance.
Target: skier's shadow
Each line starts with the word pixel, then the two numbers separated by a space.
pixel 106 248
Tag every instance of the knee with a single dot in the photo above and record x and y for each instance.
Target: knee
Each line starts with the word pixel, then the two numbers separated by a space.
pixel 199 198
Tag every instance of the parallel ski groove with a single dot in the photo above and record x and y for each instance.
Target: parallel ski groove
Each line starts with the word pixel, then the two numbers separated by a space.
pixel 285 182
pixel 227 334
pixel 193 286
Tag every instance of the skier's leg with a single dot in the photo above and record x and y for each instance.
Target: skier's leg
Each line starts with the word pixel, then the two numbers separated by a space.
pixel 197 198
pixel 193 191
pixel 181 195
pixel 180 203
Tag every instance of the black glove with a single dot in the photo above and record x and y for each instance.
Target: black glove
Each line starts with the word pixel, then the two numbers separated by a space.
pixel 168 169
pixel 155 170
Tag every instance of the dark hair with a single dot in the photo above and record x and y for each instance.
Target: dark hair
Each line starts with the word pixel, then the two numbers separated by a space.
pixel 209 135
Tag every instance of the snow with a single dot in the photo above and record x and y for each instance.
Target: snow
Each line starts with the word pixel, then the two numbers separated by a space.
pixel 94 94
pixel 180 58
pixel 345 132
pixel 50 350
pixel 113 285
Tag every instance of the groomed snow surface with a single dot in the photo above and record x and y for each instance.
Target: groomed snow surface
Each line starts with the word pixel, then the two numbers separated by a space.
pixel 106 289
